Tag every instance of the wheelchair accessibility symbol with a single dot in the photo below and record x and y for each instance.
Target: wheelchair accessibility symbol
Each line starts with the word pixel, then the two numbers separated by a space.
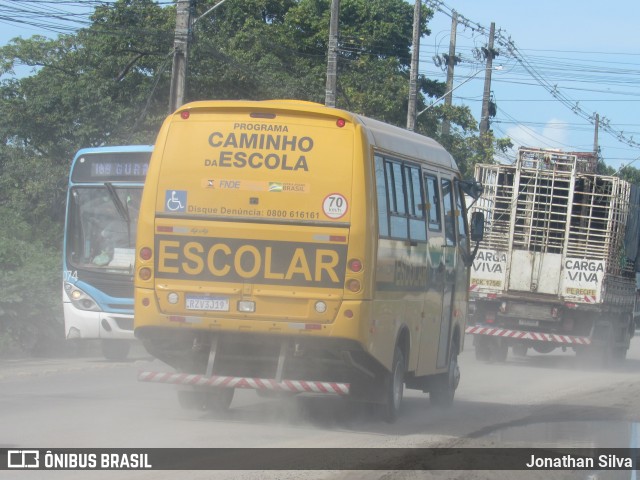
pixel 175 200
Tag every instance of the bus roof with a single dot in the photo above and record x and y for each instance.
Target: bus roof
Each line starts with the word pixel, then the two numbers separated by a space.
pixel 115 149
pixel 381 135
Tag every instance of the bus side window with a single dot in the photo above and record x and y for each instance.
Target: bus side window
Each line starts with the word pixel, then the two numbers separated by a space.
pixel 449 219
pixel 432 207
pixel 397 205
pixel 383 202
pixel 417 229
pixel 461 219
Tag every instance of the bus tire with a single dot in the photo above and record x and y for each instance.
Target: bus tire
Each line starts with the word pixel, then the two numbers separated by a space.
pixel 115 350
pixel 394 387
pixel 189 400
pixel 219 399
pixel 446 384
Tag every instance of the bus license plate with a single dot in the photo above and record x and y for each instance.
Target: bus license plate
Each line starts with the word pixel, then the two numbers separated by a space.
pixel 529 323
pixel 209 304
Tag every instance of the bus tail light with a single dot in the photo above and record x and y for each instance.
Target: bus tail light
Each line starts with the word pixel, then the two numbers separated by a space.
pixel 144 273
pixel 353 285
pixel 146 253
pixel 355 265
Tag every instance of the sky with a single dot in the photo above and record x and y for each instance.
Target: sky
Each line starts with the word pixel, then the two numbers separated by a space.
pixel 581 58
pixel 569 60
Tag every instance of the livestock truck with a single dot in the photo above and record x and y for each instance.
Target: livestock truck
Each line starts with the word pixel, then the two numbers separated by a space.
pixel 557 264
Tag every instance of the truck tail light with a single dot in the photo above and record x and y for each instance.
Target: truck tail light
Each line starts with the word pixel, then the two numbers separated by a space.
pixel 490 317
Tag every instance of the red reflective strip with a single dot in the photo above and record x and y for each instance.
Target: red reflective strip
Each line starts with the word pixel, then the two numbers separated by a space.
pixel 161 228
pixel 337 238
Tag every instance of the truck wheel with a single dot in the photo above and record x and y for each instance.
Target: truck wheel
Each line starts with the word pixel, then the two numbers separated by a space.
pixel 619 352
pixel 542 347
pixel 394 388
pixel 483 349
pixel 520 350
pixel 499 351
pixel 115 350
pixel 445 385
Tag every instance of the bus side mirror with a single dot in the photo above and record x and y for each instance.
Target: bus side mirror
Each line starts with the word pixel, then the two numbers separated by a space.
pixel 477 226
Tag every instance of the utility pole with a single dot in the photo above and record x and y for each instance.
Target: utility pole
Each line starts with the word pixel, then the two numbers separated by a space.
pixel 451 62
pixel 332 54
pixel 180 48
pixel 490 53
pixel 413 74
pixel 595 135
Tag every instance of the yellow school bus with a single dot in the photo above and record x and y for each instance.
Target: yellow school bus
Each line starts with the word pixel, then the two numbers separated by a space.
pixel 289 247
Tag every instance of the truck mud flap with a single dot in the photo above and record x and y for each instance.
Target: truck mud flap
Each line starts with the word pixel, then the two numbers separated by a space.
pixel 217 381
pixel 533 336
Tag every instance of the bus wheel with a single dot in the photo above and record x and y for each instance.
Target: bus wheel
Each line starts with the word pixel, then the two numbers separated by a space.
pixel 189 400
pixel 394 388
pixel 115 350
pixel 219 399
pixel 445 385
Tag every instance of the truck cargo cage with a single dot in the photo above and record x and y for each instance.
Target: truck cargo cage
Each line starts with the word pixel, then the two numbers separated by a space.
pixel 525 208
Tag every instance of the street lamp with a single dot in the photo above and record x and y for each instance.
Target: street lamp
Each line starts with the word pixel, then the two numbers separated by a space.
pixel 499 67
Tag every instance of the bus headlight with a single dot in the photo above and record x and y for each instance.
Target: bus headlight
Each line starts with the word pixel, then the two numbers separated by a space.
pixel 80 299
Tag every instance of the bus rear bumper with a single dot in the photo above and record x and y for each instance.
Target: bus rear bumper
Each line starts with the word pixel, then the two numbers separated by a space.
pixel 266 384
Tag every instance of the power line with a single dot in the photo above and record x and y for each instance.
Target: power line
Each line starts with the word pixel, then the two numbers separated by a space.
pixel 513 51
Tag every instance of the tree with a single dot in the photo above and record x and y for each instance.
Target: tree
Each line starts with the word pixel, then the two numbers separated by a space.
pixel 87 89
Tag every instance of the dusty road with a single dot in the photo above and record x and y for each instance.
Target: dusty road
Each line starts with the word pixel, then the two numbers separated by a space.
pixel 537 401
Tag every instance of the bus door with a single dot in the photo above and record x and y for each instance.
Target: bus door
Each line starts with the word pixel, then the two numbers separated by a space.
pixel 449 259
pixel 434 298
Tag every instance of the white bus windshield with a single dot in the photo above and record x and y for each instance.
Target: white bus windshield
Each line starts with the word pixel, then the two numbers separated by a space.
pixel 102 228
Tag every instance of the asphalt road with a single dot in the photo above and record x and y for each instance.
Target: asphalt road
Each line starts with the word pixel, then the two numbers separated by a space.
pixel 538 401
